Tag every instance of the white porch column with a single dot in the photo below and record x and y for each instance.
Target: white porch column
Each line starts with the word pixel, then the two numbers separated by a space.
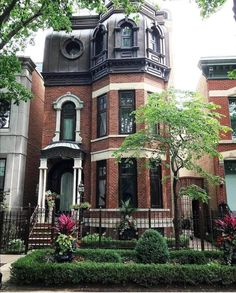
pixel 77 128
pixel 74 186
pixel 40 187
pixel 42 182
pixel 78 174
pixel 58 124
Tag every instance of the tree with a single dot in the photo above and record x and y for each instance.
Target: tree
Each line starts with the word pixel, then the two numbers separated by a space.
pixel 20 19
pixel 188 129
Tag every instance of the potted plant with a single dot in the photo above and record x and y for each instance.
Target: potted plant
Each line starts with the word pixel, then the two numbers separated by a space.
pixel 50 198
pixel 128 225
pixel 85 205
pixel 65 240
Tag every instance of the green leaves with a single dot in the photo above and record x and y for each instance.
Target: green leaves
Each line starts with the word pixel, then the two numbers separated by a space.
pixel 10 89
pixel 207 7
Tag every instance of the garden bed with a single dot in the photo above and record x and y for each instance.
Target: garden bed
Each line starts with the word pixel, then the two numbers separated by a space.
pixel 38 268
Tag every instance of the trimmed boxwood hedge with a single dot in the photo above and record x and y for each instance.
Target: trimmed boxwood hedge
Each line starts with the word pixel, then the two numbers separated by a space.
pixel 127 244
pixel 32 270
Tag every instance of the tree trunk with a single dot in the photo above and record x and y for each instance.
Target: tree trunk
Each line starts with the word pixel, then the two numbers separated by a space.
pixel 176 213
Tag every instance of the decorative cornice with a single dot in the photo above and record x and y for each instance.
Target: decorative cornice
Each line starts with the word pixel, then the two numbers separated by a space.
pixel 66 78
pixel 26 62
pixel 123 65
pixel 217 67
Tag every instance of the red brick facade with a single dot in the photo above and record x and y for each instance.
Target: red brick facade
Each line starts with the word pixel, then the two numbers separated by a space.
pixel 219 90
pixel 92 144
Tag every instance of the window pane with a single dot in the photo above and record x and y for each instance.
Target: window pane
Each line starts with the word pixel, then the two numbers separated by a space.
pixel 2 173
pixel 5 108
pixel 99 42
pixel 68 129
pixel 156 187
pixel 128 181
pixel 127 36
pixel 232 113
pixel 126 108
pixel 126 121
pixel 68 121
pixel 102 116
pixel 101 184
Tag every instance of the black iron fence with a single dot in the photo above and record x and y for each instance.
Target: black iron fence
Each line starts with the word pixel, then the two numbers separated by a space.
pixel 29 228
pixel 14 229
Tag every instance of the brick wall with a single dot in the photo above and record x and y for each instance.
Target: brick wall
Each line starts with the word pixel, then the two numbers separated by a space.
pixel 34 139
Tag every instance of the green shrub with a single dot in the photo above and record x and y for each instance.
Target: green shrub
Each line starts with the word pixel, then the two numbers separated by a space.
pixel 95 238
pixel 109 244
pixel 184 241
pixel 16 246
pixel 29 270
pixel 194 257
pixel 99 255
pixel 152 248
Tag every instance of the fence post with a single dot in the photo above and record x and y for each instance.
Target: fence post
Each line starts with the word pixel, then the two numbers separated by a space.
pixel 202 226
pixel 100 226
pixel 27 229
pixel 149 219
pixel 53 224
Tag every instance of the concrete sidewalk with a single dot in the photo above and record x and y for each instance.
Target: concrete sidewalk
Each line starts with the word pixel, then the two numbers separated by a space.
pixel 7 260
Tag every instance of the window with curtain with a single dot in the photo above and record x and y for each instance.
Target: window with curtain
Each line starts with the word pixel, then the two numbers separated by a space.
pixel 127 106
pixel 101 184
pixel 68 121
pixel 102 116
pixel 126 36
pixel 2 173
pixel 128 181
pixel 232 114
pixel 156 186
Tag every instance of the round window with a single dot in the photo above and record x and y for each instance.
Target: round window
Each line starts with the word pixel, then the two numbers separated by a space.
pixel 72 48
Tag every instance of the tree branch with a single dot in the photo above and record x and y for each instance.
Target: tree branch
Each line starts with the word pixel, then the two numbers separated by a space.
pixel 19 26
pixel 6 13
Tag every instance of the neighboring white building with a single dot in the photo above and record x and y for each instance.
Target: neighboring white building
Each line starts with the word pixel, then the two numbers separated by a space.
pixel 17 148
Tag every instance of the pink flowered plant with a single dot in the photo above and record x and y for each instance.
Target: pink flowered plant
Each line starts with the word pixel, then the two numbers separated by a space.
pixel 65 225
pixel 227 226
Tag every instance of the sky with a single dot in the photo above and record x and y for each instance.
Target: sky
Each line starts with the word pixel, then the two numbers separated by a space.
pixel 191 38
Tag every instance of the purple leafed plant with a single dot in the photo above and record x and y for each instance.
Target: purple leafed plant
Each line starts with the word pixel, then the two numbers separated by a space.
pixel 65 225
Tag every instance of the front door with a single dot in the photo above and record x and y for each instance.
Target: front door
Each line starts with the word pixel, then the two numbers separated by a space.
pixel 66 193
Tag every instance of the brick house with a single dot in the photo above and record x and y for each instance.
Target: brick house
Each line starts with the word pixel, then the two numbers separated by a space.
pixel 20 140
pixel 95 77
pixel 219 89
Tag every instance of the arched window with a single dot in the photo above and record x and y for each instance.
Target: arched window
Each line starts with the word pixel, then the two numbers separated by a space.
pixel 155 41
pixel 68 121
pixel 126 36
pixel 99 41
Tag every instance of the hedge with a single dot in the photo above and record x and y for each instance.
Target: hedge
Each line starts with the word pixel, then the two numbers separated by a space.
pixel 99 255
pixel 109 244
pixel 126 244
pixel 28 270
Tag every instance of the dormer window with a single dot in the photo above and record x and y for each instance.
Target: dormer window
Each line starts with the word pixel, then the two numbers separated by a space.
pixel 68 120
pixel 126 39
pixel 155 41
pixel 99 45
pixel 99 42
pixel 156 44
pixel 126 36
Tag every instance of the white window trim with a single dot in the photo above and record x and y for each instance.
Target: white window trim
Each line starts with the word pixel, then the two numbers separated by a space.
pixel 57 105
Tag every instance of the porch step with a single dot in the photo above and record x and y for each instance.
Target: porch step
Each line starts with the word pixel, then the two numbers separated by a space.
pixel 41 236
